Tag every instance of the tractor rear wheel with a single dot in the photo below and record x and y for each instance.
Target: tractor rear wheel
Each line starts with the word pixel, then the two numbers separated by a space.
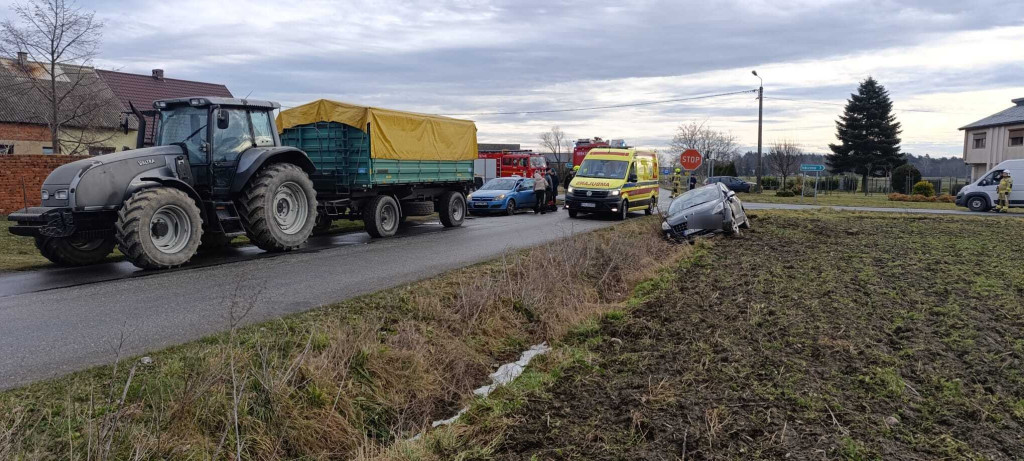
pixel 381 216
pixel 278 208
pixel 74 250
pixel 159 228
pixel 452 208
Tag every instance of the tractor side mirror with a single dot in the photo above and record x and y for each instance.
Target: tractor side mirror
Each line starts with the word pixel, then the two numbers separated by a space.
pixel 222 119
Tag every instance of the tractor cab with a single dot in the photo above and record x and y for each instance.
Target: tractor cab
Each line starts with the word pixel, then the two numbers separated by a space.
pixel 215 132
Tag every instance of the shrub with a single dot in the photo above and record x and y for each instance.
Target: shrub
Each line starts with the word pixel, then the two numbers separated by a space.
pixel 897 197
pixel 921 198
pixel 903 176
pixel 924 188
pixel 784 193
pixel 769 182
pixel 946 198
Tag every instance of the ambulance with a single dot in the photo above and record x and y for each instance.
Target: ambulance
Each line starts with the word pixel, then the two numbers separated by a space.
pixel 614 181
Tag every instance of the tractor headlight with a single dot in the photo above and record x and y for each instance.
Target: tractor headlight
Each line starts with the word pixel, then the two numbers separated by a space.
pixel 500 197
pixel 616 192
pixel 61 194
pixel 46 195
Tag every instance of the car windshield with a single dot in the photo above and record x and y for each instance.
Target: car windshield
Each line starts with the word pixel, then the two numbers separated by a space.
pixel 693 198
pixel 594 168
pixel 499 184
pixel 185 124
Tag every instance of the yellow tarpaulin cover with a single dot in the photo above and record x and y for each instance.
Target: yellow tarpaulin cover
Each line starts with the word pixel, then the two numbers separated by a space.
pixel 394 135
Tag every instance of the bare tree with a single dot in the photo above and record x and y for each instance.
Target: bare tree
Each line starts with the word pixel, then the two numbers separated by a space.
pixel 718 146
pixel 784 157
pixel 554 141
pixel 55 42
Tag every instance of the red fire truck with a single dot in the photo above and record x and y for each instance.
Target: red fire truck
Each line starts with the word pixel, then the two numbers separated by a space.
pixel 517 163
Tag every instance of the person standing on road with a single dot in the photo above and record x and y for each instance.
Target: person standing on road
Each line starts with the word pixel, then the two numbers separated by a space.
pixel 693 181
pixel 1004 188
pixel 677 183
pixel 553 180
pixel 539 186
pixel 569 175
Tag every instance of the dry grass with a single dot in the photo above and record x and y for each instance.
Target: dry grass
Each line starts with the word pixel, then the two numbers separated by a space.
pixel 339 382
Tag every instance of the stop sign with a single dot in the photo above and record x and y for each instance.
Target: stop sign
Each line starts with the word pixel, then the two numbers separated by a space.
pixel 690 160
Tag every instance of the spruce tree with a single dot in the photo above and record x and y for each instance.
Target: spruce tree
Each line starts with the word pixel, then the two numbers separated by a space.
pixel 868 133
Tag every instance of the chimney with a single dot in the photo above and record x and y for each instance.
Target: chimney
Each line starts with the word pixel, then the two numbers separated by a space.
pixel 22 58
pixel 158 74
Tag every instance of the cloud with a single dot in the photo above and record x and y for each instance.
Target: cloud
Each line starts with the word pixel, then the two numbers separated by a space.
pixel 945 62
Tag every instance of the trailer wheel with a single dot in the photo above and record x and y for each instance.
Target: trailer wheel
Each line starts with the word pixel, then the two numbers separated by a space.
pixel 381 216
pixel 278 208
pixel 410 208
pixel 159 228
pixel 452 209
pixel 75 251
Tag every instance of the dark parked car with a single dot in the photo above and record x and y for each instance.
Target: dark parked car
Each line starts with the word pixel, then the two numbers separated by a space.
pixel 705 210
pixel 732 182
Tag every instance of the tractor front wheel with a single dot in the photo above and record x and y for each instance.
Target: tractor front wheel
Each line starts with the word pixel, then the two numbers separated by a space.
pixel 75 250
pixel 159 228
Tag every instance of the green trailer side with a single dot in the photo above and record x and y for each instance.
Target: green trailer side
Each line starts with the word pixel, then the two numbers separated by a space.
pixel 341 154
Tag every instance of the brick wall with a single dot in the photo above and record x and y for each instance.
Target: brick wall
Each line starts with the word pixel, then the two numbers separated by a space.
pixel 32 169
pixel 24 132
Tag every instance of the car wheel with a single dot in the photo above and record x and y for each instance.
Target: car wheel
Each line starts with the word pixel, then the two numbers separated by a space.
pixel 511 208
pixel 977 203
pixel 650 208
pixel 572 213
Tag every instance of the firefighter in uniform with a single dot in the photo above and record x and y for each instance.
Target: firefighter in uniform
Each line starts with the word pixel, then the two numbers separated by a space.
pixel 677 183
pixel 1004 188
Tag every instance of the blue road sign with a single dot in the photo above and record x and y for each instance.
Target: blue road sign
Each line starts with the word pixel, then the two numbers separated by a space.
pixel 811 167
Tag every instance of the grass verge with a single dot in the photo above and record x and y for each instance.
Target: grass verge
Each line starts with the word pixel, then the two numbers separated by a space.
pixel 845 199
pixel 817 334
pixel 338 382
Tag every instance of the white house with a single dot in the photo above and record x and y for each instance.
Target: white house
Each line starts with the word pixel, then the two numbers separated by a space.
pixel 995 138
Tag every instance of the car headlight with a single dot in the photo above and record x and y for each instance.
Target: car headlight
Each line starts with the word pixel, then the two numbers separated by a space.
pixel 616 192
pixel 719 208
pixel 569 190
pixel 46 195
pixel 665 226
pixel 61 194
pixel 499 197
pixel 469 196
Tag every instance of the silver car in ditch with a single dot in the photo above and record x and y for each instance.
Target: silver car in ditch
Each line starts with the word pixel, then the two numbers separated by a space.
pixel 705 210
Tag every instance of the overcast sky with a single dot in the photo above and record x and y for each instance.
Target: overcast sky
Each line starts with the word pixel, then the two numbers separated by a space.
pixel 945 63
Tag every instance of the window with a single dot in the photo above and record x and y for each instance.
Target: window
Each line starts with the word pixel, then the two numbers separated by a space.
pixel 230 142
pixel 101 150
pixel 262 129
pixel 1017 137
pixel 6 149
pixel 979 140
pixel 47 150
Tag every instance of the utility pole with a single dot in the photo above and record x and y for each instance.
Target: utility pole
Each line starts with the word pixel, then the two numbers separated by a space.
pixel 760 114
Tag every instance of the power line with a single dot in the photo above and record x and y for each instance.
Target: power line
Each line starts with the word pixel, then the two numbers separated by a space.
pixel 613 106
pixel 838 104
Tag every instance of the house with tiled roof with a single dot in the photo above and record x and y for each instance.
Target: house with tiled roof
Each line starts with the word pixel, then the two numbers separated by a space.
pixel 89 117
pixel 141 90
pixel 995 138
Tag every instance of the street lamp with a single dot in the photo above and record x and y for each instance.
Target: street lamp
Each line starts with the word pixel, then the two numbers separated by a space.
pixel 760 112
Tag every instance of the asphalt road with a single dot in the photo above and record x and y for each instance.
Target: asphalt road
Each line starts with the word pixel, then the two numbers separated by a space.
pixel 56 321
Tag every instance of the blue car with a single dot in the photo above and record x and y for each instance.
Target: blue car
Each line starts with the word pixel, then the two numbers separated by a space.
pixel 502 195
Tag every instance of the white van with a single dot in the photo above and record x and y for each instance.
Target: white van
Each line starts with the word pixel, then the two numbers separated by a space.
pixel 981 195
